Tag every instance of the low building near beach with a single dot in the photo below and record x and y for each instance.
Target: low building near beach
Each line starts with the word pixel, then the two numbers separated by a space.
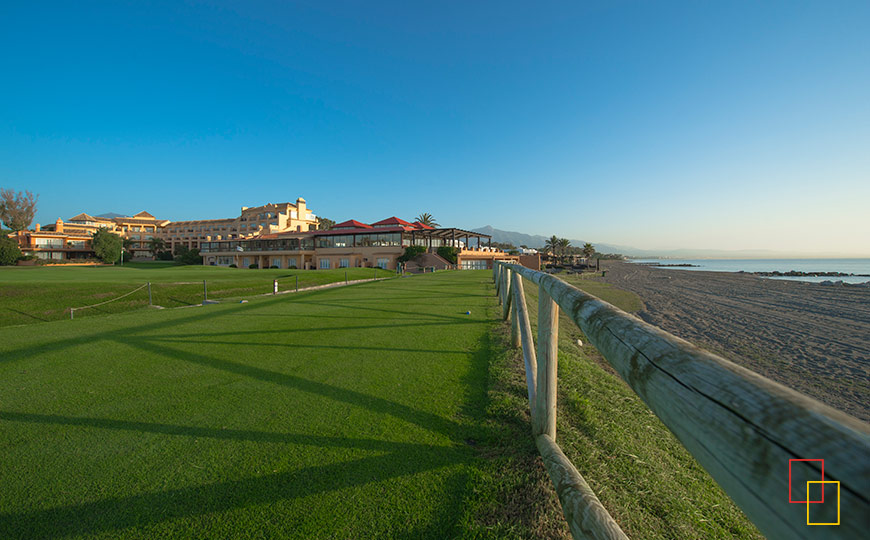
pixel 355 244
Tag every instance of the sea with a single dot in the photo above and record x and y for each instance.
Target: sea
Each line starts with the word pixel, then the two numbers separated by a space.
pixel 846 266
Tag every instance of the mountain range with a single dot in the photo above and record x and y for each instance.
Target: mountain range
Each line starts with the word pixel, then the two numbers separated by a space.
pixel 537 241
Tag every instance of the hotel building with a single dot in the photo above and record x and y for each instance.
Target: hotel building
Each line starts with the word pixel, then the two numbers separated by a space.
pixel 283 235
pixel 256 221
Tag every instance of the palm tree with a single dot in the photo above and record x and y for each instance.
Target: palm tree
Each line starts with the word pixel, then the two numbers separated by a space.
pixel 588 250
pixel 426 219
pixel 324 224
pixel 564 244
pixel 155 245
pixel 552 245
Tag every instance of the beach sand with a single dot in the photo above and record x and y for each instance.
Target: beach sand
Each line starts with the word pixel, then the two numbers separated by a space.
pixel 809 337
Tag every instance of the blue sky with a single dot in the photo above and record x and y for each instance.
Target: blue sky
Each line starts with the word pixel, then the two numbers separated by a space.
pixel 728 125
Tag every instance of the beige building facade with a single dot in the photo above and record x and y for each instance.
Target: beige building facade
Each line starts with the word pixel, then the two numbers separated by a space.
pixel 251 222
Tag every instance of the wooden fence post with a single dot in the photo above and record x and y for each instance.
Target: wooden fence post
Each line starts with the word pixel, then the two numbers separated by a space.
pixel 506 285
pixel 515 323
pixel 528 344
pixel 586 516
pixel 544 422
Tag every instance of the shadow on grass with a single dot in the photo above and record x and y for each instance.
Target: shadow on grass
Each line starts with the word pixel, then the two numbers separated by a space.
pixel 423 419
pixel 149 508
pixel 27 314
pixel 394 459
pixel 213 433
pixel 297 345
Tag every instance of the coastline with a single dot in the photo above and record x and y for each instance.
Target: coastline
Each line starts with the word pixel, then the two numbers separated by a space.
pixel 807 336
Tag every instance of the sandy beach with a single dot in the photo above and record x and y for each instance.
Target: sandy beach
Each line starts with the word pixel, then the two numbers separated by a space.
pixel 810 337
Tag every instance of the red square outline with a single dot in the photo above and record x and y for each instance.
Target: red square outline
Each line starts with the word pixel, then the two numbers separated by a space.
pixel 789 482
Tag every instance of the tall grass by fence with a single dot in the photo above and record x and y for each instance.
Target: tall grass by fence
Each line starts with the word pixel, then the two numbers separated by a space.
pixel 742 428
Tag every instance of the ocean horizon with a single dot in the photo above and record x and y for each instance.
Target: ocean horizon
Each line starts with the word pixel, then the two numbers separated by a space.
pixel 846 266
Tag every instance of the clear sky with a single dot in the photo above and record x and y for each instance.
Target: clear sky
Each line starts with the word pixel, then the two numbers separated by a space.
pixel 654 124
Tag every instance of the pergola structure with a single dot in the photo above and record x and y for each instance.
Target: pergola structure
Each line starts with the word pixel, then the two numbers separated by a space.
pixel 451 234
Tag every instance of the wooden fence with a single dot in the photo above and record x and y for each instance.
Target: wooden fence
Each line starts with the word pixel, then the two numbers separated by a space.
pixel 742 428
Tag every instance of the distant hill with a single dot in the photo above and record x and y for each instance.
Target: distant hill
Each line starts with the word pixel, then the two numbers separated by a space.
pixel 110 215
pixel 538 241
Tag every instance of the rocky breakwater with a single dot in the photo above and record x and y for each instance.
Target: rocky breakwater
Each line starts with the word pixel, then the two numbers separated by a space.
pixel 796 273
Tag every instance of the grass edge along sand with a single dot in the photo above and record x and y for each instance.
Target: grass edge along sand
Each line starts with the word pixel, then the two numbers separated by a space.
pixel 641 473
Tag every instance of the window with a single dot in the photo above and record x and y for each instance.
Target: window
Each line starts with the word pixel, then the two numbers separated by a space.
pixel 49 243
pixel 474 265
pixel 246 262
pixel 324 264
pixel 344 263
pixel 276 261
pixel 382 263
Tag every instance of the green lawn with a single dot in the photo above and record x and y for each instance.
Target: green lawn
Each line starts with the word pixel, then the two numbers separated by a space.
pixel 378 410
pixel 342 413
pixel 40 294
pixel 645 478
pixel 624 300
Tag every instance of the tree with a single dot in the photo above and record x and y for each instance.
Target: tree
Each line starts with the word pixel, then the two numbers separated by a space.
pixel 17 209
pixel 588 250
pixel 552 245
pixel 504 246
pixel 185 255
pixel 9 252
pixel 426 219
pixel 564 244
pixel 156 245
pixel 324 224
pixel 448 253
pixel 107 245
pixel 411 252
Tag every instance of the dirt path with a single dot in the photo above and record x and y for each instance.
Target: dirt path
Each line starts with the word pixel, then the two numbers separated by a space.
pixel 812 338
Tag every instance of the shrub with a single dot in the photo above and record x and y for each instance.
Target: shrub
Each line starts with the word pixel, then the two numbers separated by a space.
pixel 292 267
pixel 448 253
pixel 9 252
pixel 233 266
pixel 164 256
pixel 412 252
pixel 253 265
pixel 184 255
pixel 273 266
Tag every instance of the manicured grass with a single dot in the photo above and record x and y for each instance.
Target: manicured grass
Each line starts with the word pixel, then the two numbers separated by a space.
pixel 379 410
pixel 625 300
pixel 645 478
pixel 342 413
pixel 40 294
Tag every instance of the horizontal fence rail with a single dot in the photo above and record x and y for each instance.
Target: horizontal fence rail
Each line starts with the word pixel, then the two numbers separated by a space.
pixel 741 427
